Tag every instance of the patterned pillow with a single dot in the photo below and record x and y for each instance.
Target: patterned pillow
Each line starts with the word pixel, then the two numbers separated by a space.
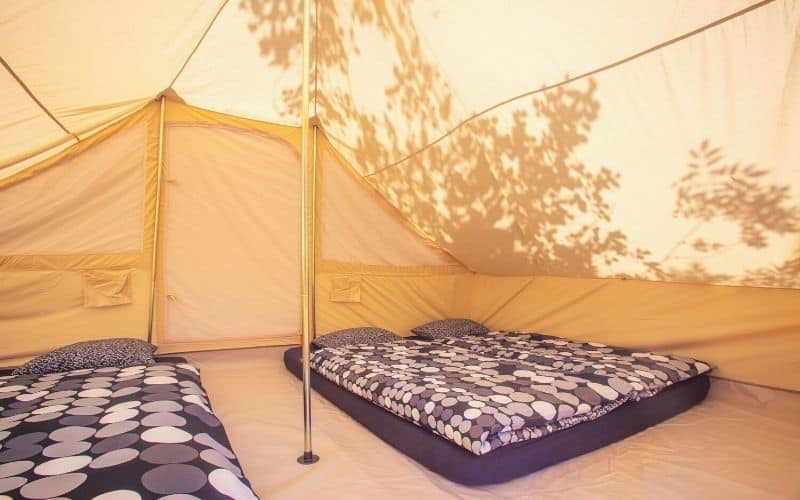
pixel 91 354
pixel 350 336
pixel 449 328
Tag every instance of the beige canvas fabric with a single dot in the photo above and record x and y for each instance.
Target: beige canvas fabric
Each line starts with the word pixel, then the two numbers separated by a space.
pixel 23 123
pixel 231 261
pixel 233 71
pixel 630 171
pixel 86 217
pixel 42 310
pixel 747 334
pixel 91 62
pixel 91 204
pixel 639 143
pixel 359 226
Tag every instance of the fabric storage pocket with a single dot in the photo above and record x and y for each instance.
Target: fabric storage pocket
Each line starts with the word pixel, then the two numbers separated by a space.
pixel 346 289
pixel 107 288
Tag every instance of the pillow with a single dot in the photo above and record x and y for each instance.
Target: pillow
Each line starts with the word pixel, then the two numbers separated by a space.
pixel 449 328
pixel 91 354
pixel 350 336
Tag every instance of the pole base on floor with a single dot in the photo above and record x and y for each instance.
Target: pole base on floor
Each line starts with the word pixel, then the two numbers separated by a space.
pixel 307 458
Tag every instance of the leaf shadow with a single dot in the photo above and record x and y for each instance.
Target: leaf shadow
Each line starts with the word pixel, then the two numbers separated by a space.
pixel 506 190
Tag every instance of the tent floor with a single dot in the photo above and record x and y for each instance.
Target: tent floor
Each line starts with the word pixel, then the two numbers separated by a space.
pixel 742 442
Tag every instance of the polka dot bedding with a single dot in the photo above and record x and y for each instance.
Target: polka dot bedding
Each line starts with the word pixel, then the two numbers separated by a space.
pixel 114 434
pixel 487 391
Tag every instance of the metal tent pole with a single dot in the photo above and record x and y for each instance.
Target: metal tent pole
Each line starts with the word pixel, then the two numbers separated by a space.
pixel 155 222
pixel 307 250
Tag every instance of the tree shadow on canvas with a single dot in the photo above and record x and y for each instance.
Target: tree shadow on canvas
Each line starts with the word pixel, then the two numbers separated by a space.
pixel 505 190
pixel 712 191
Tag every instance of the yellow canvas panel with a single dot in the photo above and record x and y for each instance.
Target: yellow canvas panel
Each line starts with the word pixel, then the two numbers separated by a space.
pixel 748 334
pixel 42 305
pixel 147 114
pixel 102 261
pixel 44 310
pixel 107 288
pixel 394 298
pixel 178 112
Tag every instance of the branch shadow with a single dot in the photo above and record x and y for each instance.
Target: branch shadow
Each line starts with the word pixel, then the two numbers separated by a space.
pixel 518 197
pixel 506 191
pixel 714 190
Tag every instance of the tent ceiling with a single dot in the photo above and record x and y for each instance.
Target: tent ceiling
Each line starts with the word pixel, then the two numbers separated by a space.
pixel 234 71
pixel 90 62
pixel 553 183
pixel 672 164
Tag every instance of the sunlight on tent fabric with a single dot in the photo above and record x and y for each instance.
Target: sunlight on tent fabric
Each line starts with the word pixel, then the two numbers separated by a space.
pixel 539 43
pixel 234 72
pixel 440 40
pixel 352 211
pixel 24 125
pixel 721 100
pixel 95 209
pixel 89 76
pixel 251 289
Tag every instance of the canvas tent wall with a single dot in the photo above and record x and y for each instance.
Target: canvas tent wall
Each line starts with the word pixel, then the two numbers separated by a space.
pixel 622 173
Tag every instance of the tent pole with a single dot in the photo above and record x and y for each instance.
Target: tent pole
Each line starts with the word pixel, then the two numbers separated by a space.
pixel 312 243
pixel 307 250
pixel 155 222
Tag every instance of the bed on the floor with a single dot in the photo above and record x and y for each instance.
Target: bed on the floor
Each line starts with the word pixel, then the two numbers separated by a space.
pixel 485 409
pixel 115 433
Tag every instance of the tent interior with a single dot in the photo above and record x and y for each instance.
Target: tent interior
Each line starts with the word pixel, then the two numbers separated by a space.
pixel 621 172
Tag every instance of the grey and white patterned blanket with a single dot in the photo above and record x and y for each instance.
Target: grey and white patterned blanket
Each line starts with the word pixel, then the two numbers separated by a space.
pixel 484 392
pixel 138 432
